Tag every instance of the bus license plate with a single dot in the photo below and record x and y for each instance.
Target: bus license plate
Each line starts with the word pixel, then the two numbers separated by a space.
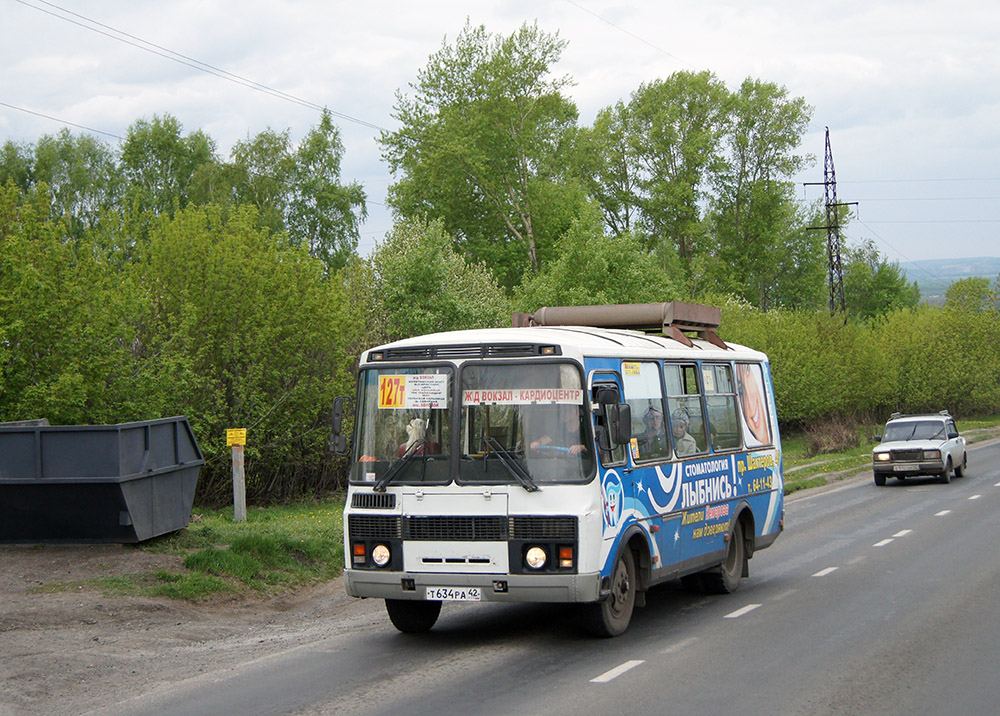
pixel 453 594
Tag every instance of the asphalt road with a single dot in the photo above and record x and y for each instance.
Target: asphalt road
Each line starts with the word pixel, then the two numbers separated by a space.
pixel 874 601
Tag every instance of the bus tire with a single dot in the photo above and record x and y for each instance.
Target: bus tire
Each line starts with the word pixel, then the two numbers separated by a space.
pixel 727 578
pixel 611 616
pixel 412 616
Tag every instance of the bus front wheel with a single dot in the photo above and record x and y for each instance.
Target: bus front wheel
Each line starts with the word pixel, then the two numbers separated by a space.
pixel 411 616
pixel 611 616
pixel 727 579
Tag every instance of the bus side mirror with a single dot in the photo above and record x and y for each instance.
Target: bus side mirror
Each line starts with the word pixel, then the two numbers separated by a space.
pixel 338 441
pixel 620 422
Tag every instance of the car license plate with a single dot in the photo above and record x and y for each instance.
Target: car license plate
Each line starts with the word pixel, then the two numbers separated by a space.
pixel 454 594
pixel 900 468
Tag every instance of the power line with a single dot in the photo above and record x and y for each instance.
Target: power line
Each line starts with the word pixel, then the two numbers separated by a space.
pixel 179 58
pixel 56 119
pixel 630 34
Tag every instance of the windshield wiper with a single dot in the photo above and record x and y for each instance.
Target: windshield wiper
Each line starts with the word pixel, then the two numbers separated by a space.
pixel 397 467
pixel 508 461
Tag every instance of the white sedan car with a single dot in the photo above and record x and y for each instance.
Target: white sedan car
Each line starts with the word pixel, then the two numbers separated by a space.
pixel 919 445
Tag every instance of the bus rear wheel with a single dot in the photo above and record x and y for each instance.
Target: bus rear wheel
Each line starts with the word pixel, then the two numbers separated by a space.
pixel 412 616
pixel 611 616
pixel 727 579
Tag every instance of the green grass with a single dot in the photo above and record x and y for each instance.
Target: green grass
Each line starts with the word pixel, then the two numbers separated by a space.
pixel 276 550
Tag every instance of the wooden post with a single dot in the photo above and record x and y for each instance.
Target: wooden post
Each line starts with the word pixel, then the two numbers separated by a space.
pixel 237 438
pixel 239 486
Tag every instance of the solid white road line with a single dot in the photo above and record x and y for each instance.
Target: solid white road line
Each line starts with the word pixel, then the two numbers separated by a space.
pixel 740 612
pixel 616 672
pixel 824 572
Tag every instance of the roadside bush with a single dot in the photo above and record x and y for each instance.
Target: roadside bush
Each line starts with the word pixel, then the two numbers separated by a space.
pixel 830 435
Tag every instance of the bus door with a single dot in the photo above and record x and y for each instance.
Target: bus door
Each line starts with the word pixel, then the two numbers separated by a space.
pixel 606 396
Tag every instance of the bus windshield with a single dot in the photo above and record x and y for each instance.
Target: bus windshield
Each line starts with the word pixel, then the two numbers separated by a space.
pixel 524 424
pixel 404 426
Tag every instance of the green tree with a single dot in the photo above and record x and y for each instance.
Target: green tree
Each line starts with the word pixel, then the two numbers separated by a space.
pixel 322 213
pixel 873 285
pixel 594 269
pixel 605 158
pixel 971 295
pixel 241 331
pixel 64 336
pixel 81 173
pixel 159 164
pixel 422 285
pixel 678 123
pixel 481 145
pixel 761 247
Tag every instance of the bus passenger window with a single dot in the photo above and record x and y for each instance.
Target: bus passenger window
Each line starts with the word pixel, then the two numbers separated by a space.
pixel 720 403
pixel 687 423
pixel 644 394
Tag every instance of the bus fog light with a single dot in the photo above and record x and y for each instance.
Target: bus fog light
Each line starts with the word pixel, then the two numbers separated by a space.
pixel 381 555
pixel 358 553
pixel 535 557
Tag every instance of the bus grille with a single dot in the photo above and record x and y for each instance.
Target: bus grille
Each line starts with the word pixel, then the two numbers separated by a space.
pixel 455 528
pixel 374 527
pixel 373 500
pixel 543 528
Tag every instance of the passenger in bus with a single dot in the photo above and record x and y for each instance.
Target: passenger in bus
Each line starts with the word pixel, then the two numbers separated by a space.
pixel 416 430
pixel 653 442
pixel 563 433
pixel 684 444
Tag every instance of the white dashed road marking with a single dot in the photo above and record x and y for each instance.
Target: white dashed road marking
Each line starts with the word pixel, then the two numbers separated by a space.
pixel 883 543
pixel 740 612
pixel 824 572
pixel 975 497
pixel 902 533
pixel 616 672
pixel 942 513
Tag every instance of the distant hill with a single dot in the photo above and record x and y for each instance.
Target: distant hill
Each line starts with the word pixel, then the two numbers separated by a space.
pixel 934 276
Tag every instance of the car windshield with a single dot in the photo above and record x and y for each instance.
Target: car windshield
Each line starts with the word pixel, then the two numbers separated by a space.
pixel 524 421
pixel 914 430
pixel 404 428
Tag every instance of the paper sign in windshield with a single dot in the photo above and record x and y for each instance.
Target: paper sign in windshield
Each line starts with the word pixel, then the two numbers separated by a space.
pixel 424 390
pixel 523 396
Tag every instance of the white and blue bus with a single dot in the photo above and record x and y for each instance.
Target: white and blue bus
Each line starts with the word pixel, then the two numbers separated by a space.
pixel 574 457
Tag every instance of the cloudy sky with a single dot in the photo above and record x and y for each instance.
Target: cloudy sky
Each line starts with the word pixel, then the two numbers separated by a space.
pixel 910 90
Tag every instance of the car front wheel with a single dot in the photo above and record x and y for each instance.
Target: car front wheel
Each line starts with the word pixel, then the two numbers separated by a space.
pixel 945 476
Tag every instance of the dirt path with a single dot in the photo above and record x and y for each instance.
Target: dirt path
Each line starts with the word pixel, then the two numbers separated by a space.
pixel 73 651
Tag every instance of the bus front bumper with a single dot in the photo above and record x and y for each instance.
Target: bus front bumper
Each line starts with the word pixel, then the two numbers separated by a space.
pixel 493 587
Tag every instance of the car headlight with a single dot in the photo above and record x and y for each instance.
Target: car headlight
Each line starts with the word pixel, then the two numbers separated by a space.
pixel 381 555
pixel 535 557
pixel 883 456
pixel 932 454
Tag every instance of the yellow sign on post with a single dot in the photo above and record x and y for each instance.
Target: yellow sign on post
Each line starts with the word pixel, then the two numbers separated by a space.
pixel 236 438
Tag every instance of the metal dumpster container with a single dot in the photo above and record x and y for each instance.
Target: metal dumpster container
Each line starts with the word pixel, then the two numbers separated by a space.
pixel 96 483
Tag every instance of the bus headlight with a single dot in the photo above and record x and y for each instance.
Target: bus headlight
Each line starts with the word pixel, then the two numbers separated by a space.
pixel 381 555
pixel 535 557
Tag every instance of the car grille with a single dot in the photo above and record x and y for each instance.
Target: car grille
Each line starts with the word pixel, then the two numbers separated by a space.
pixel 906 455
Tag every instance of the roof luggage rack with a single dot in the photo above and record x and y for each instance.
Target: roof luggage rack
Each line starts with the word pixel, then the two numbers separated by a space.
pixel 673 319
